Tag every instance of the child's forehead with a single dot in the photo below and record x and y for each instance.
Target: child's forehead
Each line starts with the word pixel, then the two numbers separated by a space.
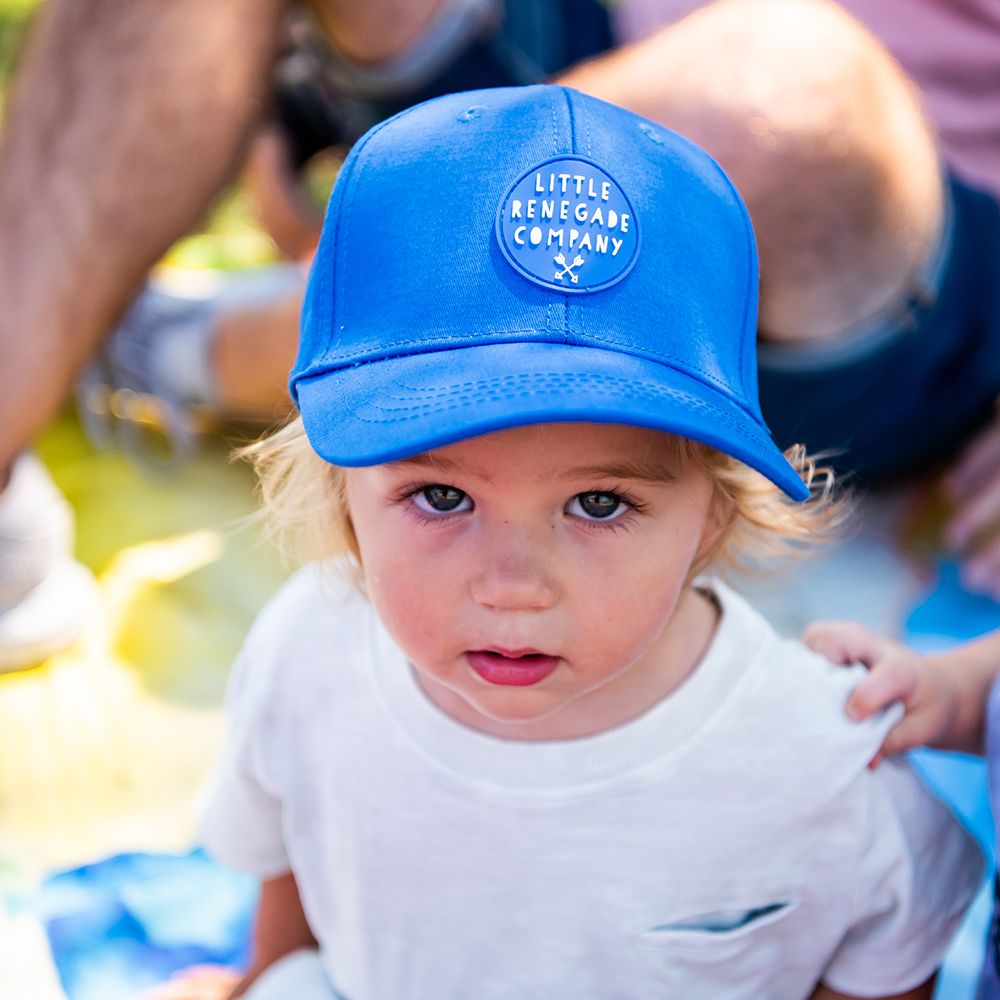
pixel 547 451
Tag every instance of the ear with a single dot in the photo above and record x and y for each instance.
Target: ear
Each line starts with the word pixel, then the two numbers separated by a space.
pixel 715 530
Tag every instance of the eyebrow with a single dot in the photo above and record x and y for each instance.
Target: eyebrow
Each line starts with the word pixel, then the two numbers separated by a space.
pixel 637 469
pixel 646 471
pixel 441 464
pixel 425 459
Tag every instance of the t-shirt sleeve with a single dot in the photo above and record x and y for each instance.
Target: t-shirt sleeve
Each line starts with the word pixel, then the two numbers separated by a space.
pixel 917 872
pixel 240 810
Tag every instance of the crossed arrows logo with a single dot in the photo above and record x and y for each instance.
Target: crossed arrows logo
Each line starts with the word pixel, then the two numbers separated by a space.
pixel 560 260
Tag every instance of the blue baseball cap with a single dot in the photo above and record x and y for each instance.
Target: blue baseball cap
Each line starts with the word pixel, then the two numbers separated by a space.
pixel 530 255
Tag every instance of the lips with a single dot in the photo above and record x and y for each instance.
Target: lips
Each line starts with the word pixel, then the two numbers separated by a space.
pixel 511 667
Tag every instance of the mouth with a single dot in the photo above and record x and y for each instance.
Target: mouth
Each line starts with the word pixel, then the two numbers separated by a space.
pixel 511 667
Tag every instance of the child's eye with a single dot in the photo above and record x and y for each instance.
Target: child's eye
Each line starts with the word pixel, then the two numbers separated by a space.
pixel 598 506
pixel 438 499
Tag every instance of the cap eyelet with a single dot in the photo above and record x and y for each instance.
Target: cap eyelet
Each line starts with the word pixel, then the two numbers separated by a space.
pixel 651 133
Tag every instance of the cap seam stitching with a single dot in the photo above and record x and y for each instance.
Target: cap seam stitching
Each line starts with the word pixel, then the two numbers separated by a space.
pixel 344 221
pixel 399 350
pixel 573 152
pixel 400 413
pixel 748 292
pixel 676 363
pixel 552 308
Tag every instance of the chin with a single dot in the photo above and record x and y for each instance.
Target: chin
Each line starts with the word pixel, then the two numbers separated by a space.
pixel 515 707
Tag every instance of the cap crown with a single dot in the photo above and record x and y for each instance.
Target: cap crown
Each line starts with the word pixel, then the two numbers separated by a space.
pixel 419 255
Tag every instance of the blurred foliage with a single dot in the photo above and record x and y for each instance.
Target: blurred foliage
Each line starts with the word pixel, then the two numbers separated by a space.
pixel 14 16
pixel 229 239
pixel 321 174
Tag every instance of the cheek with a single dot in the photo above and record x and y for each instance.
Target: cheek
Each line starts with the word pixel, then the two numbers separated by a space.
pixel 398 587
pixel 413 580
pixel 639 588
pixel 414 595
pixel 631 617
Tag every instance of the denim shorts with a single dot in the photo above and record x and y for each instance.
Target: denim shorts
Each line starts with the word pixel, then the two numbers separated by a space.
pixel 323 101
pixel 907 394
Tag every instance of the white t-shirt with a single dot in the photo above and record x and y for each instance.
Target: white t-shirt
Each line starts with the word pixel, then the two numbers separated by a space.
pixel 729 843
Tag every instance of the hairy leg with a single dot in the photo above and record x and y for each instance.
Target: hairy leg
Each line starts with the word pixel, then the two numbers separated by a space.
pixel 126 118
pixel 822 133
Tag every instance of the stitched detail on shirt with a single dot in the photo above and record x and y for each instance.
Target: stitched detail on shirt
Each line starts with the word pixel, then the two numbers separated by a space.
pixel 721 921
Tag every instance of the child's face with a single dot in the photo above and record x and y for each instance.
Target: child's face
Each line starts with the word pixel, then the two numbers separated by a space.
pixel 535 577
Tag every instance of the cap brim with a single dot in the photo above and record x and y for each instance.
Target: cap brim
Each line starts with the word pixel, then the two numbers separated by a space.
pixel 385 410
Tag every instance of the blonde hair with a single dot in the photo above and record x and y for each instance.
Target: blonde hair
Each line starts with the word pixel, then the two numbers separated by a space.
pixel 303 497
pixel 304 505
pixel 759 527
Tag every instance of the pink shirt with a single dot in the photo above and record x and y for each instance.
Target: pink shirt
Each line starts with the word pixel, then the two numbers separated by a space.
pixel 951 48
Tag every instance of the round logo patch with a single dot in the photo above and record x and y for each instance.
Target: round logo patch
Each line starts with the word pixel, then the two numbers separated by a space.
pixel 566 224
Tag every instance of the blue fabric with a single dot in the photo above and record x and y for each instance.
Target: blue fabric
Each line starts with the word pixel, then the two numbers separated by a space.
pixel 916 398
pixel 949 614
pixel 126 923
pixel 989 984
pixel 989 987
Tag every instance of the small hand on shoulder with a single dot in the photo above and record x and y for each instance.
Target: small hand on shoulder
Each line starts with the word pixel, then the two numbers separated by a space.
pixel 944 694
pixel 895 674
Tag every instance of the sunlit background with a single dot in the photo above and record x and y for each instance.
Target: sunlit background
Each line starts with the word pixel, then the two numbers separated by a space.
pixel 103 748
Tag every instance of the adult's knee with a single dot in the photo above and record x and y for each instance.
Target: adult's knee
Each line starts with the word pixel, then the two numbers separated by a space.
pixel 822 133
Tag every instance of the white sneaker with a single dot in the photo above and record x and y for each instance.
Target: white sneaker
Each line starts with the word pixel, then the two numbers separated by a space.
pixel 46 596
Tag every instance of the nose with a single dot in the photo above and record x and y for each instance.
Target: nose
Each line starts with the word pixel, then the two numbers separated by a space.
pixel 516 572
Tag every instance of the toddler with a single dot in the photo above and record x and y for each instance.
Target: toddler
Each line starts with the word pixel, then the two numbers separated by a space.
pixel 502 739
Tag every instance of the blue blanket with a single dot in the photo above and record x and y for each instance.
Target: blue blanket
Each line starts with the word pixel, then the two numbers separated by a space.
pixel 123 924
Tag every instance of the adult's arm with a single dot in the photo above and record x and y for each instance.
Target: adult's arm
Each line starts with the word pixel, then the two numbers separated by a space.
pixel 125 119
